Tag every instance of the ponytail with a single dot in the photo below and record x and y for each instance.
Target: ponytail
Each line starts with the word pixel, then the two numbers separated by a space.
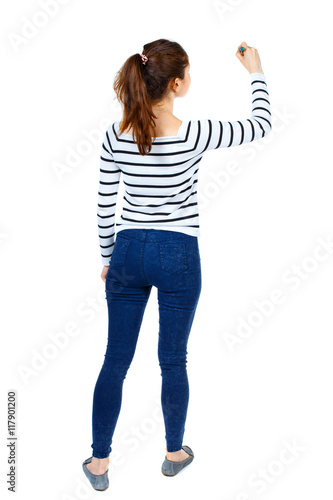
pixel 139 86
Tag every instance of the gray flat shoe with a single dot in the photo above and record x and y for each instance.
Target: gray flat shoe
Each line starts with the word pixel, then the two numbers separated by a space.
pixel 171 468
pixel 99 482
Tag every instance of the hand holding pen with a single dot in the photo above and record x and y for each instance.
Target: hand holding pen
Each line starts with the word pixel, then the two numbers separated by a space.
pixel 249 57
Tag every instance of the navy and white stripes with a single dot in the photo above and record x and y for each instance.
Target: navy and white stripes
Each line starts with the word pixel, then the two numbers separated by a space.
pixel 161 187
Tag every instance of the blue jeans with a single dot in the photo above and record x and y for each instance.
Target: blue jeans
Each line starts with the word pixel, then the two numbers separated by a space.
pixel 143 258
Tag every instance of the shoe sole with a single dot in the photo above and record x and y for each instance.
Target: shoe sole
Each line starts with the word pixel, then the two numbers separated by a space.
pixel 181 470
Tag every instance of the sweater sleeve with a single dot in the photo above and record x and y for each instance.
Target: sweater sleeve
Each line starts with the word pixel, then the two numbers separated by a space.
pixel 224 134
pixel 109 176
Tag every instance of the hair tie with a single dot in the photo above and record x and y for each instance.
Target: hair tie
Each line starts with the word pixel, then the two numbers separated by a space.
pixel 144 58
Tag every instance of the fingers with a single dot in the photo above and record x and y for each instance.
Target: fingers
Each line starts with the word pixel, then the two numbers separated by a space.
pixel 243 44
pixel 104 273
pixel 245 48
pixel 240 53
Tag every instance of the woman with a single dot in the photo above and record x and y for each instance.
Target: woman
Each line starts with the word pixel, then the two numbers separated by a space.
pixel 157 232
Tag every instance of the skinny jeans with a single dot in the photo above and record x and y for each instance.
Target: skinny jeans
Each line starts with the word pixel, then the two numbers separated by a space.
pixel 141 259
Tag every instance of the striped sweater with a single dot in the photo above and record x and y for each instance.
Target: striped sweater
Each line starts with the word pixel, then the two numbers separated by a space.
pixel 161 187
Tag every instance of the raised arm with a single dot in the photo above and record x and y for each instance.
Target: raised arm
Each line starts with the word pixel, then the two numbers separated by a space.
pixel 109 176
pixel 224 134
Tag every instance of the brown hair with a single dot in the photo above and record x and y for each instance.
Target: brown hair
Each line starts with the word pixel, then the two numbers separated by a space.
pixel 138 86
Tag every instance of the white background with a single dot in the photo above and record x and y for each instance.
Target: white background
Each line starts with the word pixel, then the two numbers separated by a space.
pixel 257 231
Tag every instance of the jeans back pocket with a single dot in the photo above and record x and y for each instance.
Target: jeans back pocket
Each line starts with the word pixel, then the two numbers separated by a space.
pixel 119 253
pixel 173 257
